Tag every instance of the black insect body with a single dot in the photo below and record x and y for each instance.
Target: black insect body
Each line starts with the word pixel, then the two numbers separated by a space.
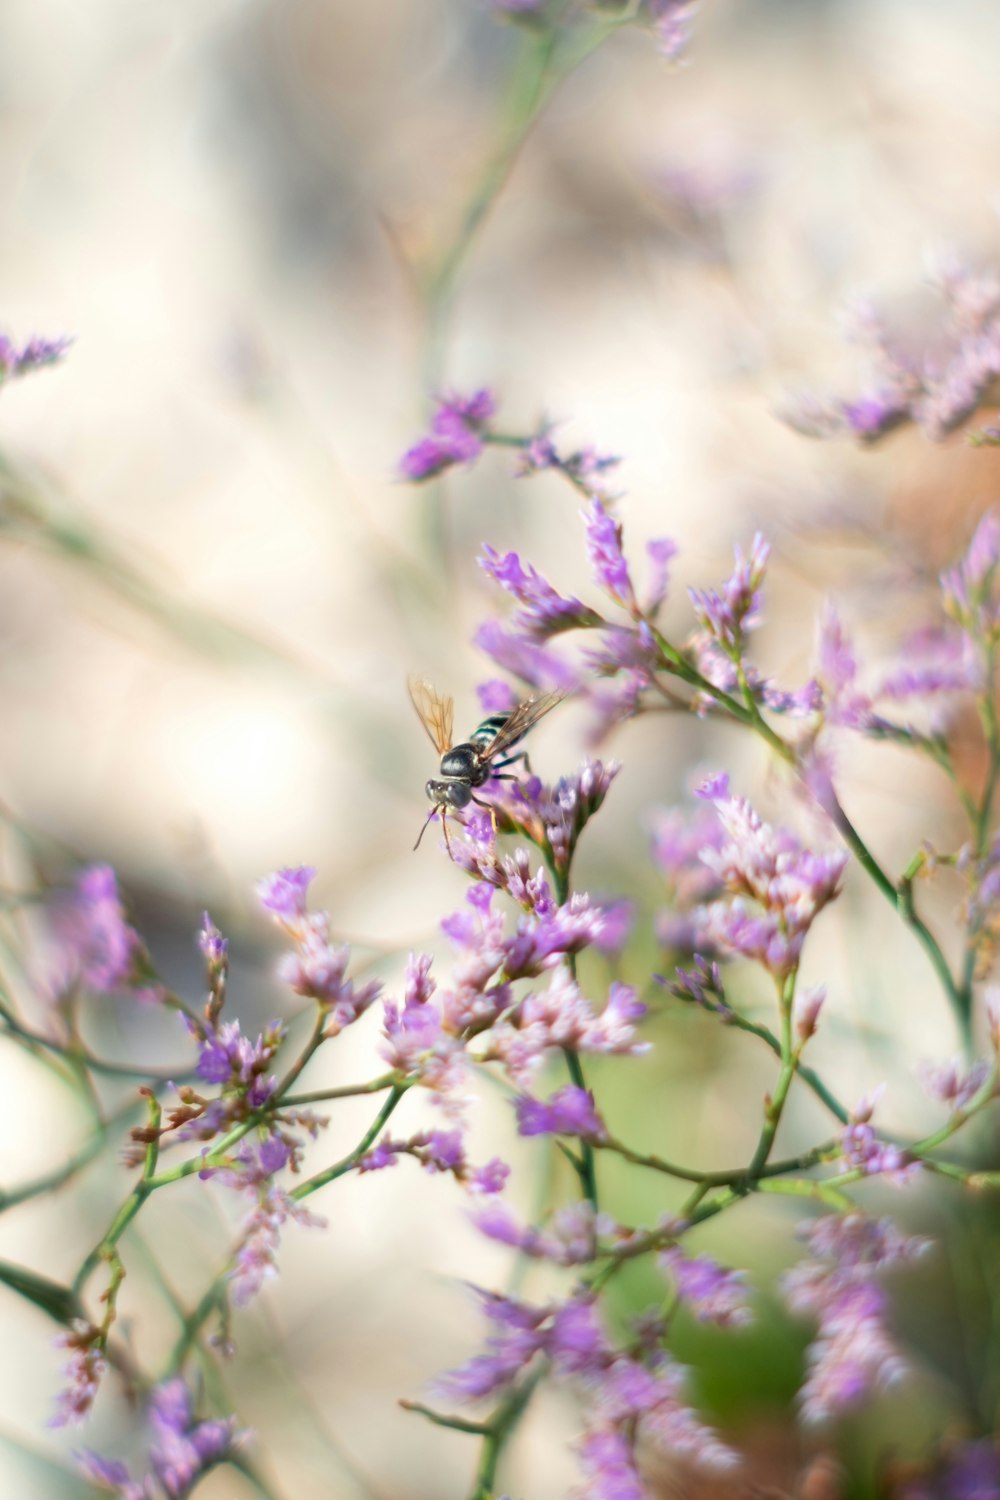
pixel 483 755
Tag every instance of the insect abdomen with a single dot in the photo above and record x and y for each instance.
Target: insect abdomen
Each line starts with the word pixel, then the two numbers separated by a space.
pixel 489 729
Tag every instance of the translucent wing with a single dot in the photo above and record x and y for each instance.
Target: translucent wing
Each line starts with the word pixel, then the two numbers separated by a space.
pixel 435 713
pixel 521 720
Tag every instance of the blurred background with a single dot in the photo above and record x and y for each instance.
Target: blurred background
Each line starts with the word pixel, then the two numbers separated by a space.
pixel 213 587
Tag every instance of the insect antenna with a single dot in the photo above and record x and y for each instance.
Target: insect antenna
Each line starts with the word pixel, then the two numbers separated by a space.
pixel 423 830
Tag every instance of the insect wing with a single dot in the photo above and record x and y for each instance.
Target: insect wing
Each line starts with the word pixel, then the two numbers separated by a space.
pixel 435 713
pixel 521 720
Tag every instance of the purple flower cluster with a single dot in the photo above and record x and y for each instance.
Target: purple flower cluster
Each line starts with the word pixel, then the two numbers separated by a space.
pixel 678 840
pixel 728 616
pixel 937 381
pixel 569 1111
pixel 456 436
pixel 672 22
pixel 629 1391
pixel 439 1151
pixel 317 967
pixel 713 1294
pixel 552 817
pixel 252 1172
pixel 543 611
pixel 34 355
pixel 953 1083
pixel 970 595
pixel 238 1065
pixel 777 886
pixel 97 948
pixel 82 1370
pixel 863 1149
pixel 559 1017
pixel 572 1239
pixel 853 1353
pixel 935 666
pixel 725 619
pixel 182 1450
pixel 426 1036
pixel 587 469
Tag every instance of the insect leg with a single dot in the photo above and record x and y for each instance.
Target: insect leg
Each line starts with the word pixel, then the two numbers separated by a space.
pixel 510 760
pixel 489 806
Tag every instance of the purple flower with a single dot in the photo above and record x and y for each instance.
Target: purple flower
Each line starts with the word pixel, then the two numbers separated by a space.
pixel 456 436
pixel 935 380
pixel 728 616
pixel 569 1111
pixel 229 1058
pixel 83 1371
pixel 285 893
pixel 604 549
pixel 586 469
pixel 672 24
pixel 213 945
pixel 554 817
pixel 496 697
pixel 97 946
pixel 968 589
pixel 571 1241
pixel 778 887
pixel 316 967
pixel 560 1017
pixel 862 1148
pixel 808 1004
pixel 609 1467
pixel 34 355
pixel 516 1337
pixel 543 611
pixel 519 652
pixel 714 1294
pixel 952 1084
pixel 968 1471
pixel 256 1258
pixel 853 1353
pixel 182 1449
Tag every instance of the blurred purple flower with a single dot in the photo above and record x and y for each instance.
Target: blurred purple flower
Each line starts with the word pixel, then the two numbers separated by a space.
pixel 935 379
pixel 285 893
pixel 968 589
pixel 182 1449
pixel 456 436
pixel 586 468
pixel 852 1353
pixel 34 355
pixel 607 560
pixel 673 22
pixel 965 1471
pixel 96 946
pixel 252 1172
pixel 863 1148
pixel 82 1371
pixel 952 1083
pixel 569 1111
pixel 571 1240
pixel 713 1294
pixel 608 1461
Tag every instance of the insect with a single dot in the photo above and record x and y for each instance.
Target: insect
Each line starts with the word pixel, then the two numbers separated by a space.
pixel 484 754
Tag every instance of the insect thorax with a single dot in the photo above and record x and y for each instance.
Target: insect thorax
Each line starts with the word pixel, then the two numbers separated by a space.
pixel 462 761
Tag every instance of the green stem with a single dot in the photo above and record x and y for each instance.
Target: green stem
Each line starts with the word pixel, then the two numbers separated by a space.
pixel 776 1104
pixel 347 1163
